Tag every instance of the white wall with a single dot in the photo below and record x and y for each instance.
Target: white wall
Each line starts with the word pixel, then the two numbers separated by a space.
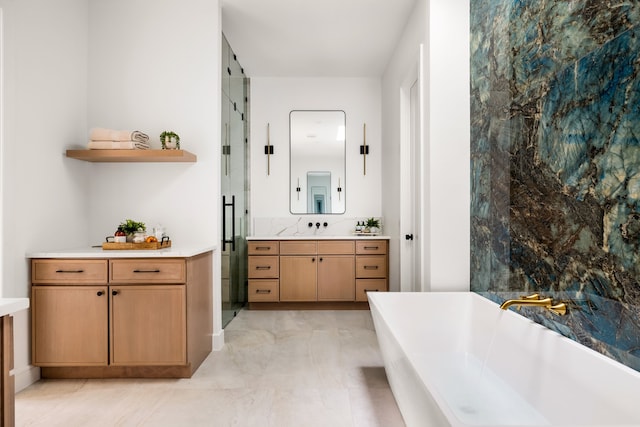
pixel 442 26
pixel 44 49
pixel 272 99
pixel 449 144
pixel 154 77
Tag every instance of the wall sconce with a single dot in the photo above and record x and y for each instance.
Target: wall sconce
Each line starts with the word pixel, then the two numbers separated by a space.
pixel 268 149
pixel 298 189
pixel 339 189
pixel 364 148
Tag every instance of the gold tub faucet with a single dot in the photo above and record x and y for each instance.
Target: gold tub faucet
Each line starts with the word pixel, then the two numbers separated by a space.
pixel 536 300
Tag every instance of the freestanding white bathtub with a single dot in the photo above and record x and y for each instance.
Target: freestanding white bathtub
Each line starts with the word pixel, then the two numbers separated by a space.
pixel 457 359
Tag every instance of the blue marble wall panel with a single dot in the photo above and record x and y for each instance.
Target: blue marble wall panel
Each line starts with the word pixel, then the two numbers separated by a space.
pixel 555 161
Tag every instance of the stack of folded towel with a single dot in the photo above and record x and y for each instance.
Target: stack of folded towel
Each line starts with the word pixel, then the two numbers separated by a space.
pixel 109 139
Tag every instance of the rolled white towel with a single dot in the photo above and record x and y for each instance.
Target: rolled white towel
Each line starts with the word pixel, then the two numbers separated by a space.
pixel 118 145
pixel 102 134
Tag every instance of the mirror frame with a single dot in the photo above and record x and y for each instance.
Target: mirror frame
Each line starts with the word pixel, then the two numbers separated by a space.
pixel 293 185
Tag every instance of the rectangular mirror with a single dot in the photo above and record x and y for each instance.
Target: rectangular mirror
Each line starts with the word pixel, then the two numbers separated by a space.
pixel 317 162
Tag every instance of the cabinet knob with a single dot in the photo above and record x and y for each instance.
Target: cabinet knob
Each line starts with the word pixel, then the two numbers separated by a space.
pixel 313 260
pixel 320 259
pixel 100 293
pixel 114 292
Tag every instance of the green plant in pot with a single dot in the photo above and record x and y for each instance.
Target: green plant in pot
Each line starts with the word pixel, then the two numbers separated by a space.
pixel 372 225
pixel 130 227
pixel 170 140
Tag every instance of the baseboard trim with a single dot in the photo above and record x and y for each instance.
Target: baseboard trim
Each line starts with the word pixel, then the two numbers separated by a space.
pixel 218 340
pixel 25 377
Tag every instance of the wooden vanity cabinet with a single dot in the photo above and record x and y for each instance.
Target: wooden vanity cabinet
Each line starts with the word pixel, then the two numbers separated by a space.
pixel 148 317
pixel 315 272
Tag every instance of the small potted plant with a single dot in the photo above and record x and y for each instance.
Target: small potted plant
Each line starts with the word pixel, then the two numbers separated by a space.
pixel 372 225
pixel 170 140
pixel 131 227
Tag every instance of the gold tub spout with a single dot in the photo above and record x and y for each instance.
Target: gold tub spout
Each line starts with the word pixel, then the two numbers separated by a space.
pixel 545 302
pixel 533 301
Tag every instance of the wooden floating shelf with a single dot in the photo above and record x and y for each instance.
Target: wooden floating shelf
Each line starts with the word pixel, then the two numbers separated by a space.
pixel 132 155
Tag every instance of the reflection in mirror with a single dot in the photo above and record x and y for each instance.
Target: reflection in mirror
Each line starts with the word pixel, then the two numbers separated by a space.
pixel 319 185
pixel 317 169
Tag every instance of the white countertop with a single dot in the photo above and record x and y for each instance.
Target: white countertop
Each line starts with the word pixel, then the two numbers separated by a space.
pixel 175 251
pixel 11 305
pixel 312 237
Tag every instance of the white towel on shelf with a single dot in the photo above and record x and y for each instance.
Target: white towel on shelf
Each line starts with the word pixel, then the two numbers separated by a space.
pixel 118 145
pixel 102 134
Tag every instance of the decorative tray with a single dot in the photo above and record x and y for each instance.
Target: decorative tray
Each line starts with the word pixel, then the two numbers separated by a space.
pixel 137 246
pixel 362 233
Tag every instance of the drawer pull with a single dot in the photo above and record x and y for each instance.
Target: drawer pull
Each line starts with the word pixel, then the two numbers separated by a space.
pixel 100 293
pixel 371 290
pixel 263 248
pixel 263 291
pixel 370 267
pixel 371 248
pixel 114 293
pixel 69 271
pixel 147 271
pixel 263 267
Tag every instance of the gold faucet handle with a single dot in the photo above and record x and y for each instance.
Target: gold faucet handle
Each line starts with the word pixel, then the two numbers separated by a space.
pixel 560 309
pixel 532 296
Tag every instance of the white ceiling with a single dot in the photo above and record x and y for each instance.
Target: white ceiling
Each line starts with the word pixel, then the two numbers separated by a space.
pixel 314 38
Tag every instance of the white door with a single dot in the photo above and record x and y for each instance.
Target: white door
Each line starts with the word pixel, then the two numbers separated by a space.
pixel 414 245
pixel 411 265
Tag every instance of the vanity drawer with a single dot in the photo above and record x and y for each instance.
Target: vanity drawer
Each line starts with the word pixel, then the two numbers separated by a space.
pixel 377 247
pixel 65 271
pixel 371 266
pixel 147 271
pixel 298 247
pixel 336 247
pixel 369 285
pixel 263 247
pixel 263 267
pixel 264 290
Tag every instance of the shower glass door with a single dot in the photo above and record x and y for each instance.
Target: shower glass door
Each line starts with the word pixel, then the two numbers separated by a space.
pixel 234 185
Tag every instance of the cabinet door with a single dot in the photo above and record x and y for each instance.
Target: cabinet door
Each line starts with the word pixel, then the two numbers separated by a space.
pixel 148 325
pixel 70 326
pixel 336 278
pixel 298 278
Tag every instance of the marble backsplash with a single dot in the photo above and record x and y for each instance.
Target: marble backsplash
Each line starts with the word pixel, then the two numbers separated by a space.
pixel 299 226
pixel 555 160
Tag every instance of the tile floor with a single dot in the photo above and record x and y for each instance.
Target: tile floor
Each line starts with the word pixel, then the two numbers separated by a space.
pixel 278 368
